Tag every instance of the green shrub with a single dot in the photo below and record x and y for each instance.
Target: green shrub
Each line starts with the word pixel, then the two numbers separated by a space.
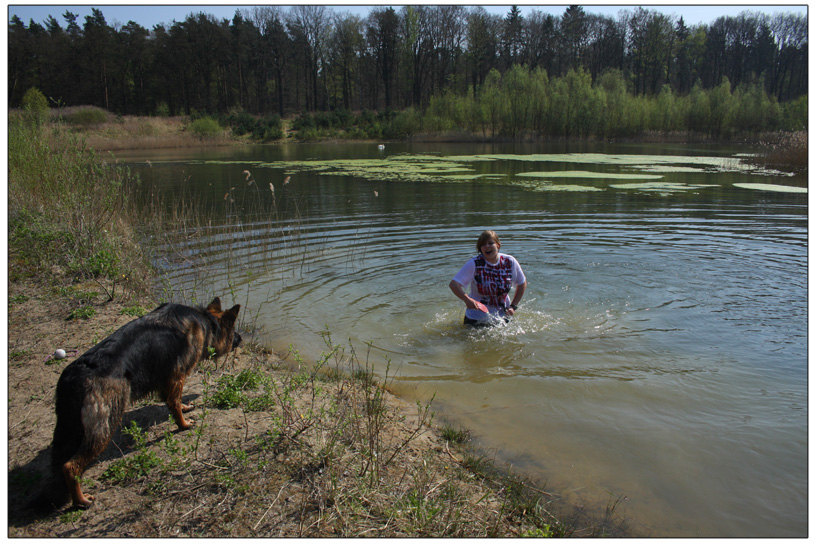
pixel 86 116
pixel 795 114
pixel 240 122
pixel 162 109
pixel 268 128
pixel 344 118
pixel 303 122
pixel 102 264
pixel 206 127
pixel 35 105
pixel 35 101
pixel 401 125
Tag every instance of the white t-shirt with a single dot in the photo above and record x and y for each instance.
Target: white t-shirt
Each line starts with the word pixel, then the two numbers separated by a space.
pixel 490 283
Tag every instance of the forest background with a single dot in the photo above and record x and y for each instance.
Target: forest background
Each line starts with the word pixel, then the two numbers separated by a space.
pixel 429 69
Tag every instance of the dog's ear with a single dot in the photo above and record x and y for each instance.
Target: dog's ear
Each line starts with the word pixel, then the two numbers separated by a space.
pixel 215 306
pixel 229 317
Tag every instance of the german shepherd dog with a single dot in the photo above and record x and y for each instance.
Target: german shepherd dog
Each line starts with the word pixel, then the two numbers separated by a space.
pixel 154 353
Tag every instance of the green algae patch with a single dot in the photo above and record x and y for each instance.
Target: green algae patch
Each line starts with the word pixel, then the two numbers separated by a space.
pixel 462 168
pixel 771 187
pixel 405 168
pixel 567 188
pixel 665 187
pixel 586 175
pixel 602 158
pixel 668 169
pixel 651 163
pixel 476 177
pixel 549 187
pixel 408 163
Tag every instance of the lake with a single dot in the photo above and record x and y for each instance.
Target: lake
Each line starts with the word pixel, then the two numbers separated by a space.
pixel 658 359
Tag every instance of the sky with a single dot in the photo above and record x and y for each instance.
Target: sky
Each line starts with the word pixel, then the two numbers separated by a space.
pixel 149 15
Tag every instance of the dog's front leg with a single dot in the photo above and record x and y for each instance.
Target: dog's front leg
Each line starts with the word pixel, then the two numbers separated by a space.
pixel 175 405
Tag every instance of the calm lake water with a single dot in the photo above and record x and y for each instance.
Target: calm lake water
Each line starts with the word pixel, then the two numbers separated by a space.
pixel 659 355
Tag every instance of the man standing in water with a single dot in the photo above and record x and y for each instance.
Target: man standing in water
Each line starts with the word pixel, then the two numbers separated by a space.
pixel 491 276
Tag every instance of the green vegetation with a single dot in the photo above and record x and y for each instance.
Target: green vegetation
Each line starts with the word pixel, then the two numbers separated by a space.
pixel 70 213
pixel 35 106
pixel 87 116
pixel 134 466
pixel 454 433
pixel 448 69
pixel 134 311
pixel 232 391
pixel 205 127
pixel 522 104
pixel 264 129
pixel 83 312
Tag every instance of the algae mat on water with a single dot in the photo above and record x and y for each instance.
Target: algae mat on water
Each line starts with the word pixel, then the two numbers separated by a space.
pixel 463 168
pixel 771 187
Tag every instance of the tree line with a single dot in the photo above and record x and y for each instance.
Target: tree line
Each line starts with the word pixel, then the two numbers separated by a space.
pixel 312 58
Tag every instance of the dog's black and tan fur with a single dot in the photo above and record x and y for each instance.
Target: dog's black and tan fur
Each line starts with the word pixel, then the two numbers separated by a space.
pixel 154 353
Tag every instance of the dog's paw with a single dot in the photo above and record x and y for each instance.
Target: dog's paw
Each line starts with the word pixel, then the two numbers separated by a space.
pixel 186 424
pixel 187 407
pixel 85 502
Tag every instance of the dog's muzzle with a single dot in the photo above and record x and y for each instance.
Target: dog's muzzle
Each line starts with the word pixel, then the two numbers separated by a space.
pixel 236 340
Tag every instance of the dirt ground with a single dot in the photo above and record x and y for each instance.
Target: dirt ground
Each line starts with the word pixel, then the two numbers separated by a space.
pixel 223 478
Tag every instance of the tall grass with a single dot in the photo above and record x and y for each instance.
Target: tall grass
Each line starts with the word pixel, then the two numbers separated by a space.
pixel 71 212
pixel 786 151
pixel 229 245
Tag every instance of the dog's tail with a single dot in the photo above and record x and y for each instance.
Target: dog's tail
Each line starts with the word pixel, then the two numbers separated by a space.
pixel 69 434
